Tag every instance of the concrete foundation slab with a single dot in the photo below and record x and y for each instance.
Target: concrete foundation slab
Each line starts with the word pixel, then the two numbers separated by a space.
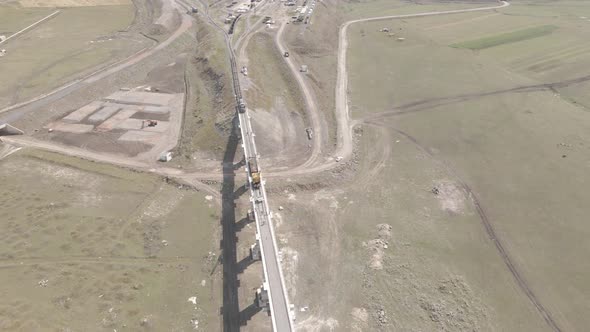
pixel 75 128
pixel 140 97
pixel 83 112
pixel 116 119
pixel 138 124
pixel 140 136
pixel 104 113
pixel 155 109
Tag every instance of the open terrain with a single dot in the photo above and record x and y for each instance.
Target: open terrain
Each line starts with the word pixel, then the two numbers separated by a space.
pixel 61 48
pixel 450 207
pixel 467 185
pixel 91 246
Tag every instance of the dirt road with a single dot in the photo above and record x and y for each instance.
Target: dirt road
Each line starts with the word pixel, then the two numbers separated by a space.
pixel 312 113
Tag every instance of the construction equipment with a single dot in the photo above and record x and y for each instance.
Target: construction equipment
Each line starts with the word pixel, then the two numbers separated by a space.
pixel 150 123
pixel 241 105
pixel 254 172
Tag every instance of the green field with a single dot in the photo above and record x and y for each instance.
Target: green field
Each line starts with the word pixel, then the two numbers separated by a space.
pixel 88 246
pixel 506 38
pixel 484 122
pixel 60 49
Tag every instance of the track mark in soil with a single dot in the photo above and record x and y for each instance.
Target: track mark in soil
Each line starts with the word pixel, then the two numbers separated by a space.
pixel 490 231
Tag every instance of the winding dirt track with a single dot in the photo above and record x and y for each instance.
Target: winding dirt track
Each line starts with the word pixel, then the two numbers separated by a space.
pixel 313 112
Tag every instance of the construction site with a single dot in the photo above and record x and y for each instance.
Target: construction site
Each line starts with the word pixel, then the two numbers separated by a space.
pixel 294 165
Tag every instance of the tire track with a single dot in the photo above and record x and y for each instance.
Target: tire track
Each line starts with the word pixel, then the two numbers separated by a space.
pixel 429 104
pixel 489 229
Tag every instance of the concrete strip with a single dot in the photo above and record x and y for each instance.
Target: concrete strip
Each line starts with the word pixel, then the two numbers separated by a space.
pixel 140 136
pixel 139 124
pixel 83 112
pixel 104 113
pixel 76 128
pixel 155 109
pixel 116 119
pixel 141 97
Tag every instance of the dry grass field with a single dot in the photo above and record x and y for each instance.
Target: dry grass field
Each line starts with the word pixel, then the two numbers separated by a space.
pixel 88 246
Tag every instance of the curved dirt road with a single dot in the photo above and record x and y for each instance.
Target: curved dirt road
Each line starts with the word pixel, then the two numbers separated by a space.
pixel 344 143
pixel 311 106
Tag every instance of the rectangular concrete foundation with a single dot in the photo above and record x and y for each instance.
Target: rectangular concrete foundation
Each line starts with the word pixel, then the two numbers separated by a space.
pixel 138 97
pixel 83 112
pixel 104 113
pixel 139 136
pixel 113 122
pixel 75 128
pixel 138 124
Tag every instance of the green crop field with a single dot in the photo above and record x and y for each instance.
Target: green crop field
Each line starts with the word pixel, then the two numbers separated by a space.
pixel 506 38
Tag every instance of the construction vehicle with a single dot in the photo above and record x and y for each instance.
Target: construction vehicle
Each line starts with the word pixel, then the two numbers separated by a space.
pixel 286 54
pixel 241 105
pixel 254 172
pixel 150 123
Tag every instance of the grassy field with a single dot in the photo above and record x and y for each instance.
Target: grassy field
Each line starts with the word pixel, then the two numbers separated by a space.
pixel 506 38
pixel 65 46
pixel 492 125
pixel 14 19
pixel 266 67
pixel 93 247
pixel 372 8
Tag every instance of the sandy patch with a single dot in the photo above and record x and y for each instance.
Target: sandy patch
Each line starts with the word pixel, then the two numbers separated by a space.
pixel 450 196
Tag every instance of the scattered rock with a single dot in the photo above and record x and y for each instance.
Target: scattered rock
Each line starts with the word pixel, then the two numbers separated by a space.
pixel 43 283
pixel 381 317
pixel 195 324
pixel 145 321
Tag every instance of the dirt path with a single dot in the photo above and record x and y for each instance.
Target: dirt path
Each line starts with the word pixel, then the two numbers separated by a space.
pixel 312 113
pixel 194 179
